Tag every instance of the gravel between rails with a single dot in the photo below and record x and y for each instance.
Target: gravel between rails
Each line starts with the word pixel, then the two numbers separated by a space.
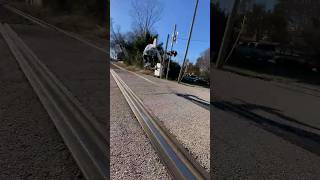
pixel 187 121
pixel 132 155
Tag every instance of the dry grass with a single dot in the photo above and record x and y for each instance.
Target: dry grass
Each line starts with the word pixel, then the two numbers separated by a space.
pixel 33 10
pixel 85 26
pixel 77 23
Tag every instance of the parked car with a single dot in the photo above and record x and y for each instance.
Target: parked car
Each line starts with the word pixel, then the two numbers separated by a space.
pixel 193 79
pixel 189 79
pixel 256 51
pixel 265 51
pixel 313 65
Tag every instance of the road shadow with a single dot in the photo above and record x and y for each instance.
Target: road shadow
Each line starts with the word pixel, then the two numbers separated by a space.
pixel 292 71
pixel 293 87
pixel 295 134
pixel 196 100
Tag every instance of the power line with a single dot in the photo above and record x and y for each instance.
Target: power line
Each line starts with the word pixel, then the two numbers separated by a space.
pixel 204 41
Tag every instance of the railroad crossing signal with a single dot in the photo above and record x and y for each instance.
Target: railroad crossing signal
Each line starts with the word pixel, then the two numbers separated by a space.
pixel 174 37
pixel 172 53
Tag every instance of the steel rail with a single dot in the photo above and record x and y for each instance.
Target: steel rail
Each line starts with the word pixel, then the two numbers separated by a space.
pixel 136 74
pixel 178 164
pixel 80 131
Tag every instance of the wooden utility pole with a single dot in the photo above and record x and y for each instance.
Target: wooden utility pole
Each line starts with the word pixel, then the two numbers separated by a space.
pixel 172 41
pixel 227 34
pixel 186 69
pixel 188 43
pixel 162 62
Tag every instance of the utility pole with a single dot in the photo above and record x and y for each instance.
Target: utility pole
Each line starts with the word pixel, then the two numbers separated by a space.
pixel 190 33
pixel 172 41
pixel 186 69
pixel 164 57
pixel 227 34
pixel 237 40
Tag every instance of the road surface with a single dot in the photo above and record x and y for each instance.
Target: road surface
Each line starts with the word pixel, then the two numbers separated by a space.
pixel 264 130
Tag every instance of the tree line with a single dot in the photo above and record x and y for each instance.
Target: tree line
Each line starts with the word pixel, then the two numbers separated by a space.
pixel 292 24
pixel 95 8
pixel 130 46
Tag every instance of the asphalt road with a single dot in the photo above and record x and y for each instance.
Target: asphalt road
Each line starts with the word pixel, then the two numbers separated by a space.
pixel 264 130
pixel 182 110
pixel 31 147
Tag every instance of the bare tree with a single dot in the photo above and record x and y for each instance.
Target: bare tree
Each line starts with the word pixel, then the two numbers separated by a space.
pixel 118 41
pixel 203 62
pixel 145 14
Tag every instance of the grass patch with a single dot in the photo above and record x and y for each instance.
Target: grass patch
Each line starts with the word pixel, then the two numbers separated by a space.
pixel 74 23
pixel 78 23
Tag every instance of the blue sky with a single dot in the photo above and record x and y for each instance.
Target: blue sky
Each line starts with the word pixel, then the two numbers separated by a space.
pixel 174 11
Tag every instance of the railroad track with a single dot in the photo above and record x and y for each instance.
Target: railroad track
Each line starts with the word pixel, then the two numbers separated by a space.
pixel 180 164
pixel 178 161
pixel 79 129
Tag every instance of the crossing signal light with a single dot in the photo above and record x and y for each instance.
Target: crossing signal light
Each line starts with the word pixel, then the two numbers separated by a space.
pixel 172 53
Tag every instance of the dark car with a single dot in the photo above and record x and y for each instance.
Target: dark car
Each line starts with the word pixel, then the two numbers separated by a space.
pixel 313 65
pixel 192 79
pixel 256 51
pixel 189 79
pixel 265 51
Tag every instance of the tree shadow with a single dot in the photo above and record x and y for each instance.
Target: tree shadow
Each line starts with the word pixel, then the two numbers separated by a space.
pixel 196 100
pixel 292 71
pixel 296 134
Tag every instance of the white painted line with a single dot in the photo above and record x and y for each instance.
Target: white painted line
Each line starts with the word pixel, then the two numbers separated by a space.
pixel 135 74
